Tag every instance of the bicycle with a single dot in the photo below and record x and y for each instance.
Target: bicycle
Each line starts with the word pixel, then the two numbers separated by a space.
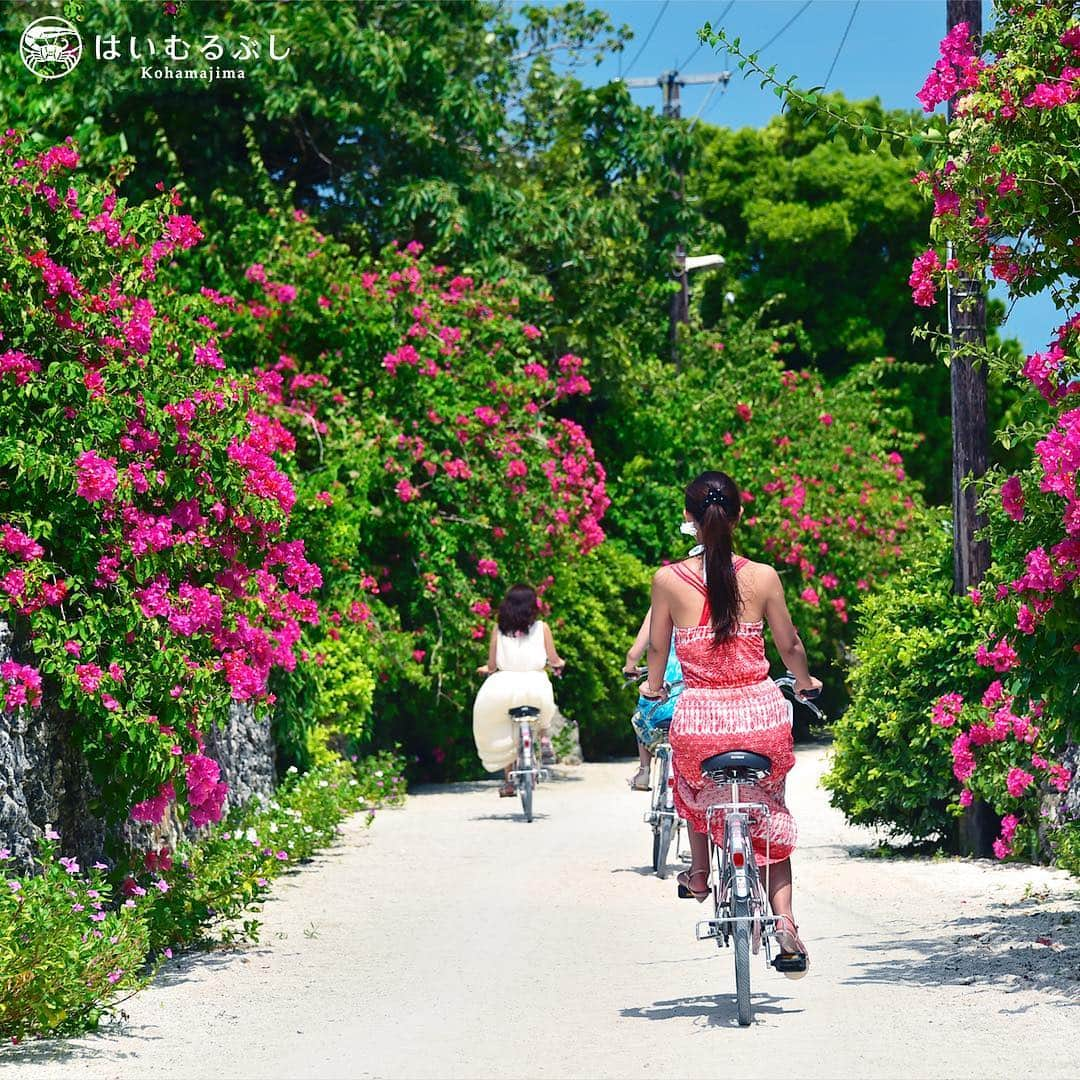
pixel 525 776
pixel 740 905
pixel 661 816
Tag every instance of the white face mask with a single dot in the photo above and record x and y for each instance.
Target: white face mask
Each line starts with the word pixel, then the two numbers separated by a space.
pixel 688 528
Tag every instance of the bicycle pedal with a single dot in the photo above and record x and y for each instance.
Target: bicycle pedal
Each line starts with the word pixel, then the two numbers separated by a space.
pixel 793 963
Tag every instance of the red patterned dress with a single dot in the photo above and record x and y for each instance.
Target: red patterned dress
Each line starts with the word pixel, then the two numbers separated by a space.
pixel 730 703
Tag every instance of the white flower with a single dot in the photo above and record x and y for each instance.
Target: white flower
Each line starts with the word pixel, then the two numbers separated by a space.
pixel 292 769
pixel 273 827
pixel 252 835
pixel 324 783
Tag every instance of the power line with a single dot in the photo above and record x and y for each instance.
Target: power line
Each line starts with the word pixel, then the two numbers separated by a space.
pixel 704 104
pixel 775 36
pixel 719 19
pixel 839 48
pixel 648 36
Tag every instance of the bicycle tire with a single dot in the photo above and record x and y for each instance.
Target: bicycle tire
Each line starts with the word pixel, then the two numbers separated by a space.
pixel 661 846
pixel 526 787
pixel 656 800
pixel 741 934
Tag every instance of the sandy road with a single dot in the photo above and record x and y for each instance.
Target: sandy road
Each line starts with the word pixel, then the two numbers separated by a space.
pixel 453 940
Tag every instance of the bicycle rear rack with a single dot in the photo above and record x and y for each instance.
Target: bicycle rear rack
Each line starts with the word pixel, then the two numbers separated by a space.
pixel 542 776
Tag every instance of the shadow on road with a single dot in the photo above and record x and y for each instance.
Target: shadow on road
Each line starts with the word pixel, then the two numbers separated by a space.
pixel 471 787
pixel 720 1011
pixel 1025 946
pixel 513 816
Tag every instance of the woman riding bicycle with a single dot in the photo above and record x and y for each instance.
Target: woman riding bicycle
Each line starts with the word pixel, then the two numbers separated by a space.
pixel 715 606
pixel 649 715
pixel 520 648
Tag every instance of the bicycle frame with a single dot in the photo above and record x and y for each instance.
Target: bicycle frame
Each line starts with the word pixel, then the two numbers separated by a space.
pixel 525 760
pixel 737 873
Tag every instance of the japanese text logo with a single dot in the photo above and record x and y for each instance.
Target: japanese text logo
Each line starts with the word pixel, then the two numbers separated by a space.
pixel 50 47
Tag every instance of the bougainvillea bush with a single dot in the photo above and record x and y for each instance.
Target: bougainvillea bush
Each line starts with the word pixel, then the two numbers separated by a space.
pixel 1005 187
pixel 143 507
pixel 434 467
pixel 825 495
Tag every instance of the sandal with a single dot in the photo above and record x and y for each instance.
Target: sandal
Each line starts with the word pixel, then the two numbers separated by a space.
pixel 685 889
pixel 793 960
pixel 640 780
pixel 507 791
pixel 547 752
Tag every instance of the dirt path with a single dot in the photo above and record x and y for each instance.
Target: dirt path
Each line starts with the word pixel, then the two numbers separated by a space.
pixel 453 940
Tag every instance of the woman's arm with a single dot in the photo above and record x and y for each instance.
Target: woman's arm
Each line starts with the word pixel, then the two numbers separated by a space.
pixel 784 634
pixel 557 662
pixel 661 628
pixel 493 663
pixel 641 643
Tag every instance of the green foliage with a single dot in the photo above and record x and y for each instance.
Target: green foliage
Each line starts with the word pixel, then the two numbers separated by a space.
pixel 891 767
pixel 597 605
pixel 68 949
pixel 828 500
pixel 828 231
pixel 65 948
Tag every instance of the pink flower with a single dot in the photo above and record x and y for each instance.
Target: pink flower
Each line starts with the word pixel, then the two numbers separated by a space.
pixel 1012 498
pixel 1001 658
pixel 152 811
pixel 115 976
pixel 826 419
pixel 89 676
pixel 418 655
pixel 1017 782
pixel 810 596
pixel 206 793
pixel 488 567
pixel 921 279
pixel 97 478
pixel 531 332
pixel 946 710
pixel 19 544
pixel 966 797
pixel 963 758
pixel 405 491
pixel 744 411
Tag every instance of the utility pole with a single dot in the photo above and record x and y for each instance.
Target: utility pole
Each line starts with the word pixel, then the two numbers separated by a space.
pixel 978 824
pixel 670 83
pixel 967 328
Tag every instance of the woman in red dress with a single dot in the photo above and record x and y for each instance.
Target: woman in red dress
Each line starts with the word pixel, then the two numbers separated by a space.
pixel 716 604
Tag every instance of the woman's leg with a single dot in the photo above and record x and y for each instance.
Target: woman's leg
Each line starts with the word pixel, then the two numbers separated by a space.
pixel 644 755
pixel 780 888
pixel 508 784
pixel 696 879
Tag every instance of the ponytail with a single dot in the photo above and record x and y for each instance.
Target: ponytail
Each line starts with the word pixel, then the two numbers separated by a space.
pixel 714 502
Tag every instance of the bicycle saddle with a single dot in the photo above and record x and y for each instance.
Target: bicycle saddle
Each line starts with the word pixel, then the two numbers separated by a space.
pixel 519 712
pixel 737 761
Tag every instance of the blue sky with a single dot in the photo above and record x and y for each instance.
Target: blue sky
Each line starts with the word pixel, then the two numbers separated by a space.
pixel 890 47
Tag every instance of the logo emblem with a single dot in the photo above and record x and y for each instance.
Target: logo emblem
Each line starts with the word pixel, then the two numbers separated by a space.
pixel 50 47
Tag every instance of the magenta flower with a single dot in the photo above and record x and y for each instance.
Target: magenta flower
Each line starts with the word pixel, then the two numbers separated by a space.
pixel 1012 498
pixel 1017 782
pixel 96 477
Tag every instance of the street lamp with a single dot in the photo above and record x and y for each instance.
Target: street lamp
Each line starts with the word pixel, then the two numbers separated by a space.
pixel 680 302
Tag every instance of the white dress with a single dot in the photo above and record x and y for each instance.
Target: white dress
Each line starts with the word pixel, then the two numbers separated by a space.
pixel 519 680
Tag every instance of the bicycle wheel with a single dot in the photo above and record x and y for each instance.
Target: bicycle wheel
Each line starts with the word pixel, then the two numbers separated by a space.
pixel 661 846
pixel 656 809
pixel 525 787
pixel 741 934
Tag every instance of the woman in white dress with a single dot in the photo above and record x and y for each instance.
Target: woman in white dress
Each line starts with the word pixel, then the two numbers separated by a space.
pixel 521 647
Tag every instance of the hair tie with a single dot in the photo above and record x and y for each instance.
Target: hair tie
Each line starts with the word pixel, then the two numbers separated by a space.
pixel 714 497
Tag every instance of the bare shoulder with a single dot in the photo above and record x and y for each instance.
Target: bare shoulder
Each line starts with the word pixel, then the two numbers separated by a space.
pixel 665 575
pixel 762 574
